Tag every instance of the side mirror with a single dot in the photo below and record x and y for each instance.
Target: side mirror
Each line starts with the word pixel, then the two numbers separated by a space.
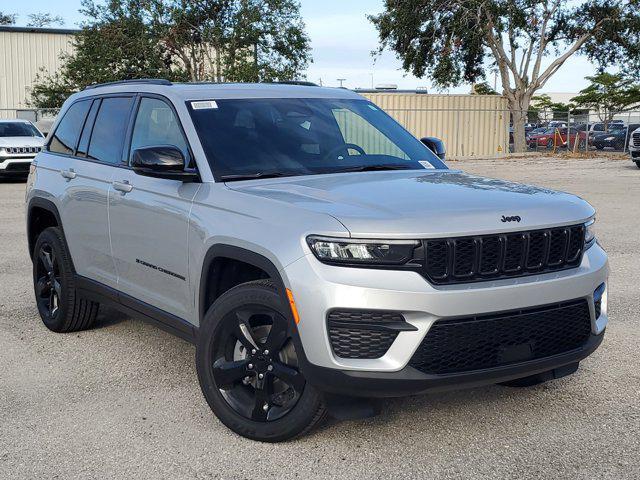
pixel 162 161
pixel 436 146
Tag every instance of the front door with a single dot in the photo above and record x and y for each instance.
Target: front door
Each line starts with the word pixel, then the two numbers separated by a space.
pixel 149 219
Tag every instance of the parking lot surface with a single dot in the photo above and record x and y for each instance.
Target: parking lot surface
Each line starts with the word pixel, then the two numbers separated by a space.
pixel 122 400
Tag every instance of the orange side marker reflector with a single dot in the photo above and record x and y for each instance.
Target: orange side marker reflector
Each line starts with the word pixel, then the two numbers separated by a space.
pixel 292 303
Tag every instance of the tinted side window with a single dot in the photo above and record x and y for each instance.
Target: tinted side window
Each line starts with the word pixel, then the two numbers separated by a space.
pixel 66 135
pixel 109 130
pixel 83 144
pixel 156 124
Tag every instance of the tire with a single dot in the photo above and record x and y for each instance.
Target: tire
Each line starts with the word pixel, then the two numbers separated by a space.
pixel 599 147
pixel 247 316
pixel 549 143
pixel 638 164
pixel 60 306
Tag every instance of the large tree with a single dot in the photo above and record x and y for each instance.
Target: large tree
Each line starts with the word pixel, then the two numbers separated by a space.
pixel 528 41
pixel 242 40
pixel 609 94
pixel 115 44
pixel 194 40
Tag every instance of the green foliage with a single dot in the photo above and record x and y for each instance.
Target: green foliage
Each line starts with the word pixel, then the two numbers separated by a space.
pixel 42 19
pixel 608 94
pixel 483 88
pixel 180 40
pixel 457 41
pixel 7 18
pixel 544 102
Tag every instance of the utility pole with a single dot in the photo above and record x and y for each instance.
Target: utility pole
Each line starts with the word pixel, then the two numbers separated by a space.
pixel 341 80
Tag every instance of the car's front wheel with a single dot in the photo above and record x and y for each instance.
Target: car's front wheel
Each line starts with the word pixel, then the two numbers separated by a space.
pixel 248 366
pixel 638 164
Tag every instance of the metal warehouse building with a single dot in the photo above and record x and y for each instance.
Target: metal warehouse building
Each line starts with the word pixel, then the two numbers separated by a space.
pixel 25 52
pixel 469 125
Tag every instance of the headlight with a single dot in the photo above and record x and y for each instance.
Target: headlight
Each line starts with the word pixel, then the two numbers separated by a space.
pixel 609 139
pixel 589 233
pixel 368 252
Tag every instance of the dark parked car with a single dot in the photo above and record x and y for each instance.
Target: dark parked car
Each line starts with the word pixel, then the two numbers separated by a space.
pixel 618 138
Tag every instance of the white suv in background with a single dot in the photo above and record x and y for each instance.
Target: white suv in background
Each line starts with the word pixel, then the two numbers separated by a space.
pixel 20 142
pixel 634 147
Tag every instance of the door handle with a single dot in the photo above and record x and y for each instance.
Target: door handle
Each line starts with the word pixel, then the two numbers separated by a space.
pixel 124 186
pixel 68 174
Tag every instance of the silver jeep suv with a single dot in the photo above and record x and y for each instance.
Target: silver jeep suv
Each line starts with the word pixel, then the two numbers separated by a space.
pixel 310 247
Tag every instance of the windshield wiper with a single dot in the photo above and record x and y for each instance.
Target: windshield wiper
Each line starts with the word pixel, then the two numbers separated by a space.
pixel 373 168
pixel 253 176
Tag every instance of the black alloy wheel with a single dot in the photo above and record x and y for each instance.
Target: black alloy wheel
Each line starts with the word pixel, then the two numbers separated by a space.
pixel 48 284
pixel 249 366
pixel 255 364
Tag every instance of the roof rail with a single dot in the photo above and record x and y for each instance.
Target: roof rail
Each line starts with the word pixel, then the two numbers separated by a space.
pixel 151 81
pixel 296 82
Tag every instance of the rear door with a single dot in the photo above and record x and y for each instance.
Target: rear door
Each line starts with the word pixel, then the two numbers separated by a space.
pixel 149 218
pixel 88 144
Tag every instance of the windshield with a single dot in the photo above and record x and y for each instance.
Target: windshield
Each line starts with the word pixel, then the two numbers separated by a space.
pixel 253 138
pixel 18 129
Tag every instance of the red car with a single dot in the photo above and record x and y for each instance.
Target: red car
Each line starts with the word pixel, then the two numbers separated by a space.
pixel 557 137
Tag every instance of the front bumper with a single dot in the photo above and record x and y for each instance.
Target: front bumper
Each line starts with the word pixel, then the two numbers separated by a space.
pixel 15 166
pixel 319 288
pixel 410 381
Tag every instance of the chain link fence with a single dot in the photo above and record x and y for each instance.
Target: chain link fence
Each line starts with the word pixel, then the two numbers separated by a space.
pixel 579 132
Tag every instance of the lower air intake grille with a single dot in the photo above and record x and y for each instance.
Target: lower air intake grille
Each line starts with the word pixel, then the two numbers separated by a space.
pixel 475 343
pixel 364 334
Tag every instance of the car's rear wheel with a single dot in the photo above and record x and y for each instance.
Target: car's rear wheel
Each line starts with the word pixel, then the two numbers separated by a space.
pixel 60 306
pixel 550 143
pixel 248 366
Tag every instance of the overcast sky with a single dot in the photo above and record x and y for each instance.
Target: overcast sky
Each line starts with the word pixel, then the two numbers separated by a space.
pixel 342 40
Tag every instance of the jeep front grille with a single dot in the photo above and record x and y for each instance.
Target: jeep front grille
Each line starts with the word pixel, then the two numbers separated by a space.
pixel 636 139
pixel 488 257
pixel 22 150
pixel 488 341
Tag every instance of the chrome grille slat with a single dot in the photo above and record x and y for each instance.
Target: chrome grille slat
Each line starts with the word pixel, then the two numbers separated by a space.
pixel 489 257
pixel 22 150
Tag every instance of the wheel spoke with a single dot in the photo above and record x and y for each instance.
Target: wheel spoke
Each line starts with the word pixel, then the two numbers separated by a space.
pixel 289 375
pixel 47 260
pixel 278 334
pixel 42 286
pixel 261 403
pixel 57 287
pixel 243 330
pixel 226 373
pixel 52 296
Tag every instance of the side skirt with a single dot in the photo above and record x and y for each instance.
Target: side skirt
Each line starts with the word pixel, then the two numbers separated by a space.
pixel 135 308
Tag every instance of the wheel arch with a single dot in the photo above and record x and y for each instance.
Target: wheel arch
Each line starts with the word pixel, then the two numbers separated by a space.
pixel 234 253
pixel 41 214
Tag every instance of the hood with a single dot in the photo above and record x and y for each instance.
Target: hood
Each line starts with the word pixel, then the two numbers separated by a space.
pixel 21 142
pixel 417 204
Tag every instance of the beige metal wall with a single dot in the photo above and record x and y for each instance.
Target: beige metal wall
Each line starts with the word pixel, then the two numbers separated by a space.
pixel 22 55
pixel 470 125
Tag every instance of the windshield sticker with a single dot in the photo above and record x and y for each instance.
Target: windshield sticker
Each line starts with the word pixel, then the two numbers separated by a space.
pixel 426 164
pixel 204 105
